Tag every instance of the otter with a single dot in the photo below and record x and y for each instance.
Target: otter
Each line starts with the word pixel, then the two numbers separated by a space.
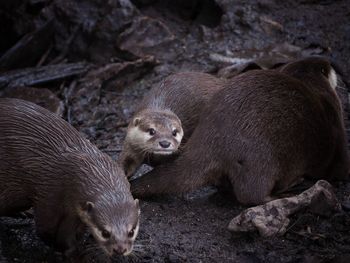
pixel 166 118
pixel 47 164
pixel 264 132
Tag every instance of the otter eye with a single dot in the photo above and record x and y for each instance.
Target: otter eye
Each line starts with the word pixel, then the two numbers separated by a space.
pixel 175 132
pixel 131 233
pixel 151 131
pixel 106 234
pixel 323 71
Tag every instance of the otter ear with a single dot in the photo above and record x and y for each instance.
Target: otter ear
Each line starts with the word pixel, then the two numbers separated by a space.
pixel 137 204
pixel 332 78
pixel 136 121
pixel 87 206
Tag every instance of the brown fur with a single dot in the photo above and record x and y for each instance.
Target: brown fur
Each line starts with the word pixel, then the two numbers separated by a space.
pixel 186 94
pixel 264 132
pixel 46 164
pixel 179 101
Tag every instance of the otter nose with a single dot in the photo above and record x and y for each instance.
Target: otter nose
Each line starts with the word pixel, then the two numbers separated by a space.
pixel 164 144
pixel 120 250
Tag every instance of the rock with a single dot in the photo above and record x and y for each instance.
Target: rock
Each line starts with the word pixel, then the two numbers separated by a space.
pixel 93 102
pixel 145 37
pixel 270 26
pixel 99 24
pixel 346 205
pixel 28 50
pixel 117 76
pixel 272 218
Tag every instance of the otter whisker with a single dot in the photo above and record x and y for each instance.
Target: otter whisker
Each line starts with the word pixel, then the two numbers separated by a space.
pixel 138 249
pixel 89 250
pixel 135 256
pixel 138 245
pixel 147 150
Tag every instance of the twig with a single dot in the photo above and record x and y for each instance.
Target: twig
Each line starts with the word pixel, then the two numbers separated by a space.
pixel 67 94
pixel 43 74
pixel 67 45
pixel 225 59
pixel 44 56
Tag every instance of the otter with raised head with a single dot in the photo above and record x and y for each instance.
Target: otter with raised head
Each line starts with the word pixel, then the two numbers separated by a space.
pixel 46 164
pixel 264 131
pixel 166 117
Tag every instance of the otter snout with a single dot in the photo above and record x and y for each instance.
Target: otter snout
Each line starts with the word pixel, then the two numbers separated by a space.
pixel 120 249
pixel 164 144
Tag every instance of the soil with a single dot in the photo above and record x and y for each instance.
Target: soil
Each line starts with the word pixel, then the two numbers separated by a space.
pixel 130 47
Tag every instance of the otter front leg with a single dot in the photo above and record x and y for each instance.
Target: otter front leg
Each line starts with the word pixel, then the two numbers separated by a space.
pixel 56 228
pixel 129 164
pixel 66 235
pixel 176 177
pixel 46 222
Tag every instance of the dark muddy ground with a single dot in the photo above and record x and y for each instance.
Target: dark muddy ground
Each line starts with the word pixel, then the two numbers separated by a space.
pixel 116 40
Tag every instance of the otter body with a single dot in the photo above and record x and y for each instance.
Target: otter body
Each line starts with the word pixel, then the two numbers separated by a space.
pixel 265 131
pixel 166 117
pixel 46 164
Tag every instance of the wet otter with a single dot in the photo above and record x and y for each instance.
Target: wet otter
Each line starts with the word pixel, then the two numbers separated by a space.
pixel 166 117
pixel 46 164
pixel 264 132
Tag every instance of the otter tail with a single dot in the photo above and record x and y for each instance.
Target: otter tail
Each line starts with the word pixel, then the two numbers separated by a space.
pixel 172 178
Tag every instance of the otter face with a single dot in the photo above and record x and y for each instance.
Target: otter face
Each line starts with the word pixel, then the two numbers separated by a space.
pixel 157 132
pixel 314 66
pixel 114 226
pixel 332 78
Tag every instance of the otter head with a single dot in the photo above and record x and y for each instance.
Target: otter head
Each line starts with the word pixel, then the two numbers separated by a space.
pixel 158 132
pixel 114 225
pixel 315 66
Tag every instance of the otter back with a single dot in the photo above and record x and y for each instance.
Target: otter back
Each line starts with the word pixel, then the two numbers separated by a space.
pixel 46 164
pixel 264 131
pixel 186 94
